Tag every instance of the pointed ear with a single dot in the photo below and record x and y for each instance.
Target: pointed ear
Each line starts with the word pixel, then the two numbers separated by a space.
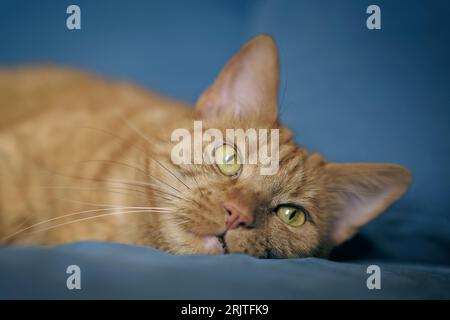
pixel 248 84
pixel 360 192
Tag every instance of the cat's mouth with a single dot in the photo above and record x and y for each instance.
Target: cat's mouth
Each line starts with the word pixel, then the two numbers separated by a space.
pixel 222 241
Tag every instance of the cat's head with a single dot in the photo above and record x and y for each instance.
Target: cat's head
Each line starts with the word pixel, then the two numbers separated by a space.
pixel 307 207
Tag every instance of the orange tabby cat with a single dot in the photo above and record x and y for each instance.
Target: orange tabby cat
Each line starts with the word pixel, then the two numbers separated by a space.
pixel 82 158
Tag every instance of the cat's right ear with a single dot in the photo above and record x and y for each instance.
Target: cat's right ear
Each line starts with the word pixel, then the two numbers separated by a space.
pixel 248 84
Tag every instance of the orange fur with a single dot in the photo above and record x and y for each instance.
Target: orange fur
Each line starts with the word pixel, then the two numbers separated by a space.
pixel 71 142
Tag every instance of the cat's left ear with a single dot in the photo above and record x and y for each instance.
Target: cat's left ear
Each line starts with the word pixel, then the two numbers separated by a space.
pixel 357 193
pixel 248 84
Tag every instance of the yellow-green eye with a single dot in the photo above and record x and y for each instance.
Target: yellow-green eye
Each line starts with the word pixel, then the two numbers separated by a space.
pixel 291 215
pixel 227 160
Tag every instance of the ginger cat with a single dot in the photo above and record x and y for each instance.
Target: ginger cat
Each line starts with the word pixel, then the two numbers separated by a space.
pixel 82 158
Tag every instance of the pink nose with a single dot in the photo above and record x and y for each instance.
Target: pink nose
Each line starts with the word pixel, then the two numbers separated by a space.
pixel 237 216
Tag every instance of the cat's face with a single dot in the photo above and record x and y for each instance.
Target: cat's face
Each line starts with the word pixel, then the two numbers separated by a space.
pixel 308 206
pixel 249 212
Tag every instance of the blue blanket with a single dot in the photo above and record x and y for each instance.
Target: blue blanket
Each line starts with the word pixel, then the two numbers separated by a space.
pixel 122 272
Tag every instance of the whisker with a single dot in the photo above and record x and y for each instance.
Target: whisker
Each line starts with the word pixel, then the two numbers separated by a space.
pixel 115 136
pixel 111 190
pixel 116 162
pixel 147 174
pixel 137 147
pixel 171 173
pixel 165 184
pixel 147 184
pixel 143 136
pixel 133 127
pixel 196 181
pixel 107 205
pixel 93 217
pixel 131 182
pixel 123 182
pixel 156 188
pixel 83 212
pixel 123 193
pixel 170 199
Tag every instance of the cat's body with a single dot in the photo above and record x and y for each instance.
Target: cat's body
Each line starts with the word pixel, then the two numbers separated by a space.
pixel 48 154
pixel 70 142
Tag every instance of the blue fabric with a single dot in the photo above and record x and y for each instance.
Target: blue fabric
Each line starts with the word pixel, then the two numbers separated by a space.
pixel 126 272
pixel 350 93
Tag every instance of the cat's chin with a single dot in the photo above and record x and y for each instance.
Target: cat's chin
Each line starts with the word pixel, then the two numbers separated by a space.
pixel 215 245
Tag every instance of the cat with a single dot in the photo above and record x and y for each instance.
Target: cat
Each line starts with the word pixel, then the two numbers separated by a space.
pixel 83 158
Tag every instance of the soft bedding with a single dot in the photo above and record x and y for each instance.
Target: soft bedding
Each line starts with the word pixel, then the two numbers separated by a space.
pixel 124 272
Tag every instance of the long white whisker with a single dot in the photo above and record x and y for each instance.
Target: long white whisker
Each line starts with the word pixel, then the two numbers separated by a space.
pixel 107 205
pixel 83 212
pixel 150 185
pixel 137 183
pixel 139 132
pixel 93 217
pixel 110 190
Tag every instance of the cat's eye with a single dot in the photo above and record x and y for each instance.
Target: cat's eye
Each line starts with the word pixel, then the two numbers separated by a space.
pixel 293 216
pixel 227 160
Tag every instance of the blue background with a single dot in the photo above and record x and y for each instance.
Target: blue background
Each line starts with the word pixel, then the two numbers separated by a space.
pixel 348 92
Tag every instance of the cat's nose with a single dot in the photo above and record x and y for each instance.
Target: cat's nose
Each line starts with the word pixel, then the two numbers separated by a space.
pixel 237 216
